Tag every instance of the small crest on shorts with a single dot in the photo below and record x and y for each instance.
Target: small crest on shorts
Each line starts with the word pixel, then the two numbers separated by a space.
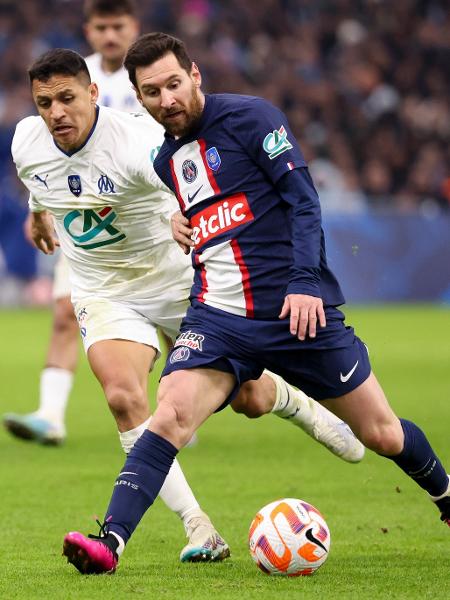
pixel 213 158
pixel 74 182
pixel 179 354
pixel 81 316
pixel 189 170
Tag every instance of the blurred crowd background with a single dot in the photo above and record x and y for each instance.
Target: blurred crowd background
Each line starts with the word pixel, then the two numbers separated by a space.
pixel 365 85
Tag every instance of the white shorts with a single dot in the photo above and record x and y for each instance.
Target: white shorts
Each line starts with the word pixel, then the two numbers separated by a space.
pixel 107 319
pixel 61 278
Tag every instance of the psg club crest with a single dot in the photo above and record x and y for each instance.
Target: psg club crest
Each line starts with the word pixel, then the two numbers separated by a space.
pixel 179 354
pixel 213 158
pixel 189 170
pixel 74 182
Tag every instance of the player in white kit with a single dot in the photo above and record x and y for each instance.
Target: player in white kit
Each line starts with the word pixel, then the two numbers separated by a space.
pixel 110 27
pixel 89 174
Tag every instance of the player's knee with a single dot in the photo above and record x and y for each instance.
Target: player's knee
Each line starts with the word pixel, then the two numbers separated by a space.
pixel 124 400
pixel 64 320
pixel 173 419
pixel 384 440
pixel 247 402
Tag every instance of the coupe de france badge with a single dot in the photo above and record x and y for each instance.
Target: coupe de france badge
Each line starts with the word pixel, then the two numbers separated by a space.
pixel 213 158
pixel 74 182
pixel 276 143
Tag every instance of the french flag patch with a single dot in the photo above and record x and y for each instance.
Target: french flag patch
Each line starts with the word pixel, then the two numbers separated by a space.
pixel 290 166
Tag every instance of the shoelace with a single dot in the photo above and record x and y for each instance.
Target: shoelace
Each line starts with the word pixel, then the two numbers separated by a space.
pixel 102 533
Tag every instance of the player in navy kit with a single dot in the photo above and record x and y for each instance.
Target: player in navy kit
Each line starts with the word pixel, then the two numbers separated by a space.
pixel 263 295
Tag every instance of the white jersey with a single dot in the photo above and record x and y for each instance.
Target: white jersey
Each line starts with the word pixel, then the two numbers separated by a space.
pixel 111 211
pixel 115 89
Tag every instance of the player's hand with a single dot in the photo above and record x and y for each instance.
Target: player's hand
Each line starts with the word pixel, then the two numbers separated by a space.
pixel 305 311
pixel 181 231
pixel 42 232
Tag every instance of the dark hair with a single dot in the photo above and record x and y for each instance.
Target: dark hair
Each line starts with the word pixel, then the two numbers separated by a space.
pixel 59 61
pixel 149 48
pixel 109 7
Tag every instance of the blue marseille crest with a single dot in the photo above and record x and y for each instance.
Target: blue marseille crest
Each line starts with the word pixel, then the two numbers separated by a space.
pixel 105 185
pixel 74 182
pixel 213 158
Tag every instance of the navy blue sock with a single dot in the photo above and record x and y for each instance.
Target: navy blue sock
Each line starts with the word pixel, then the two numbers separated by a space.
pixel 418 460
pixel 139 482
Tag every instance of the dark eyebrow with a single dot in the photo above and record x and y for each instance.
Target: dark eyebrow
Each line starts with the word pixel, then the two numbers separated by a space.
pixel 61 93
pixel 149 86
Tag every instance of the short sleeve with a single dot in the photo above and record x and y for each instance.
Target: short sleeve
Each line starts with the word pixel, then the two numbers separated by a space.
pixel 145 149
pixel 33 204
pixel 263 130
pixel 17 145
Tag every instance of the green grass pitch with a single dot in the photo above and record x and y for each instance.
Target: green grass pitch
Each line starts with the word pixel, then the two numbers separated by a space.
pixel 387 540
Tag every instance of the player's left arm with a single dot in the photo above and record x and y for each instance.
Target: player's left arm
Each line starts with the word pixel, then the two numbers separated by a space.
pixel 303 302
pixel 275 149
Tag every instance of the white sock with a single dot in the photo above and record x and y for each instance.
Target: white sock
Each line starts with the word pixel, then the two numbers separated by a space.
pixel 129 438
pixel 175 493
pixel 292 403
pixel 55 387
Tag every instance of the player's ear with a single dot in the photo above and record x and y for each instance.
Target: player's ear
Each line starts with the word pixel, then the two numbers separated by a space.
pixel 87 31
pixel 138 95
pixel 196 75
pixel 93 92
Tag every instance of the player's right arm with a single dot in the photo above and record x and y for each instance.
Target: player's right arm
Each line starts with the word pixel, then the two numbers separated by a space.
pixel 39 225
pixel 42 232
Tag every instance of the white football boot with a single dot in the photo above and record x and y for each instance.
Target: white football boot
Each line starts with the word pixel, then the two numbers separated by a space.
pixel 34 428
pixel 205 543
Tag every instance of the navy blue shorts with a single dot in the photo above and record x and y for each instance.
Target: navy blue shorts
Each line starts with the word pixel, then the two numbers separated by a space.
pixel 332 364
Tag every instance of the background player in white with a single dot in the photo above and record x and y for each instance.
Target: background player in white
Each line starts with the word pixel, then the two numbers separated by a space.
pixel 110 27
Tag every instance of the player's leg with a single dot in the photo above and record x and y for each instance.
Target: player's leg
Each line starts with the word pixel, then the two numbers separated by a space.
pixel 122 368
pixel 368 413
pixel 271 394
pixel 168 345
pixel 186 398
pixel 47 424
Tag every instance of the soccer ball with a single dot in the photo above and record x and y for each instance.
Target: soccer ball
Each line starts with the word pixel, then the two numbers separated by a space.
pixel 289 537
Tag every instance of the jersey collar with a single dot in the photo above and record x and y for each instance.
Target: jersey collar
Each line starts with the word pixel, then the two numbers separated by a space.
pixel 72 152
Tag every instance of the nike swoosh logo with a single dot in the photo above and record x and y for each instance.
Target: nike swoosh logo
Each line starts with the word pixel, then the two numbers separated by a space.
pixel 190 198
pixel 345 378
pixel 309 536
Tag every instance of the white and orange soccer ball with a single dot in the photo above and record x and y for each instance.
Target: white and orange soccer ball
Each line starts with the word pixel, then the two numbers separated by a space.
pixel 289 537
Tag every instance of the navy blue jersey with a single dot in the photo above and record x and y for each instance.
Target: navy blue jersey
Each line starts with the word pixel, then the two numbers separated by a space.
pixel 242 181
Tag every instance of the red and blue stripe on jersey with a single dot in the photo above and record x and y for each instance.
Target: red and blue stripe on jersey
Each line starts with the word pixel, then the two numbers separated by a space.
pixel 226 184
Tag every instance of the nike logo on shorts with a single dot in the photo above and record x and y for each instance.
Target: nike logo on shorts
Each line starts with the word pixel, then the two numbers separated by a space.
pixel 345 378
